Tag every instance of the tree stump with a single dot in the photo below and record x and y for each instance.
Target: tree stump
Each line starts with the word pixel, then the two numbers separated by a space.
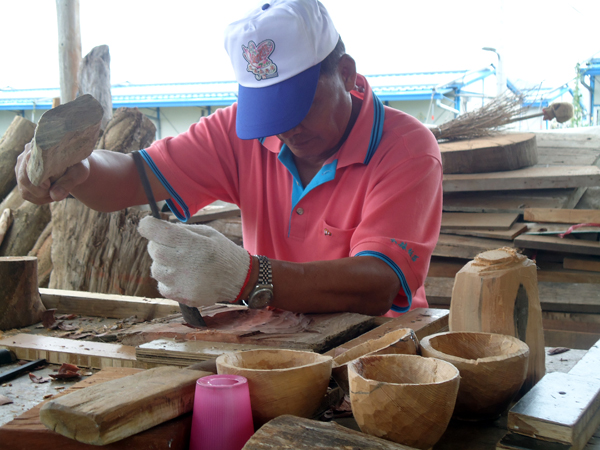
pixel 19 133
pixel 497 292
pixel 29 221
pixel 20 303
pixel 42 250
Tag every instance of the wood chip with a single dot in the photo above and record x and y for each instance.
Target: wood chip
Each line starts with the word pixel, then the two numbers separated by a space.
pixel 558 350
pixel 39 380
pixel 5 400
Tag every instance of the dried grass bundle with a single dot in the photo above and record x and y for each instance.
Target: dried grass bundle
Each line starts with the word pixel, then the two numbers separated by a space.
pixel 485 121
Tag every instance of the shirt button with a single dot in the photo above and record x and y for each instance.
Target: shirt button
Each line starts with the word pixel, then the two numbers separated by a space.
pixel 300 211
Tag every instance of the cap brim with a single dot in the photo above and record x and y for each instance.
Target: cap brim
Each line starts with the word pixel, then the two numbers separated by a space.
pixel 275 109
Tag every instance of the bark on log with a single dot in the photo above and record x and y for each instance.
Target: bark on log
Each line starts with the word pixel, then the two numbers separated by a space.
pixel 29 222
pixel 42 250
pixel 6 219
pixel 128 130
pixel 19 133
pixel 12 200
pixel 20 303
pixel 94 79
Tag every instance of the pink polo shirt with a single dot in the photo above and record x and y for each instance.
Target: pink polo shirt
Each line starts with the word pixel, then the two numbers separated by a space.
pixel 380 195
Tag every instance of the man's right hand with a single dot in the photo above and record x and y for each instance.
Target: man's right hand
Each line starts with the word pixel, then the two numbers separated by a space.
pixel 47 191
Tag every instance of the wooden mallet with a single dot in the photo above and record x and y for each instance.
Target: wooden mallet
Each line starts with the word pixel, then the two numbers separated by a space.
pixel 561 111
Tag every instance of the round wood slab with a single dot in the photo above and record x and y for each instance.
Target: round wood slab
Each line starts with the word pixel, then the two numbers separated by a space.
pixel 490 154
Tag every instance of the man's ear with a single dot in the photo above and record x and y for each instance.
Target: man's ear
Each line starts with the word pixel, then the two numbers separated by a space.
pixel 347 70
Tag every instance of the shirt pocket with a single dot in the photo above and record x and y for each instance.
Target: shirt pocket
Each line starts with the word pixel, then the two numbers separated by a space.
pixel 334 242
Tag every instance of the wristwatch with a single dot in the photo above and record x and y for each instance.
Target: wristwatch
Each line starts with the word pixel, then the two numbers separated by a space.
pixel 262 294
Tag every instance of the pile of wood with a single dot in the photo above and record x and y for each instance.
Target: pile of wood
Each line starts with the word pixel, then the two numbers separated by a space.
pixel 538 193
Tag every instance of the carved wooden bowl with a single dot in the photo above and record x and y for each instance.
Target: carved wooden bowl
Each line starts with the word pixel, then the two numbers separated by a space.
pixel 280 381
pixel 492 369
pixel 402 342
pixel 407 399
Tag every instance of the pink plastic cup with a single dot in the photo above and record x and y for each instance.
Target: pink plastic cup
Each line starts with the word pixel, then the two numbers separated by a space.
pixel 222 418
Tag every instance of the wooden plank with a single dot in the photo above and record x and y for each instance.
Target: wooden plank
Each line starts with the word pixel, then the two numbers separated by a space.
pixel 567 139
pixel 588 365
pixel 509 201
pixel 590 264
pixel 487 221
pixel 107 305
pixel 505 235
pixel 554 272
pixel 26 432
pixel 466 247
pixel 561 408
pixel 174 353
pixel 95 355
pixel 557 228
pixel 423 321
pixel 572 216
pixel 555 243
pixel 555 156
pixel 553 177
pixel 445 267
pixel 570 339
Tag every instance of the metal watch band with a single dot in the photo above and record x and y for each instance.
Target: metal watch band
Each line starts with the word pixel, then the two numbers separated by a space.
pixel 265 275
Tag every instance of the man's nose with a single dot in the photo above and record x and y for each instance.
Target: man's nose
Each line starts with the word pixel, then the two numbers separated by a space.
pixel 291 133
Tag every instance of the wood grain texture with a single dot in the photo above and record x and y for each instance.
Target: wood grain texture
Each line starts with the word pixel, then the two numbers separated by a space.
pixel 19 132
pixel 554 177
pixel 503 235
pixel 26 432
pixel 589 264
pixel 496 221
pixel 29 222
pixel 95 355
pixel 466 247
pixel 572 216
pixel 116 409
pixel 555 243
pixel 489 154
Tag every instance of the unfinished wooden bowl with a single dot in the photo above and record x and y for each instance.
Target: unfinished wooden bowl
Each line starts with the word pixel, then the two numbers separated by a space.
pixel 403 341
pixel 280 381
pixel 407 399
pixel 492 369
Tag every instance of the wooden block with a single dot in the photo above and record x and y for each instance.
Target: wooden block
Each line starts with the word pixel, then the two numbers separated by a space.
pixel 26 432
pixel 486 221
pixel 554 177
pixel 423 321
pixel 64 136
pixel 107 305
pixel 95 355
pixel 305 434
pixel 466 247
pixel 139 401
pixel 555 243
pixel 562 408
pixel 171 352
pixel 572 216
pixel 589 364
pixel 590 264
pixel 505 235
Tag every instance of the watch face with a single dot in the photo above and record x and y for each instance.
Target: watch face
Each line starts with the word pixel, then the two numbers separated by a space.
pixel 260 298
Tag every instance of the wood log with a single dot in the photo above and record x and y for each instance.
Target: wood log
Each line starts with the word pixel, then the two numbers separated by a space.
pixel 13 200
pixel 19 133
pixel 94 79
pixel 65 135
pixel 42 250
pixel 489 154
pixel 6 219
pixel 305 434
pixel 29 222
pixel 127 131
pixel 117 409
pixel 20 303
pixel 497 292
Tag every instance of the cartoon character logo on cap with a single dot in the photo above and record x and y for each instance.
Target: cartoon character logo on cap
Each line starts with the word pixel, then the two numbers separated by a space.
pixel 258 59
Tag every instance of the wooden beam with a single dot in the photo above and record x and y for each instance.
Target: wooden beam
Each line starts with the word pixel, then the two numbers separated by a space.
pixel 505 235
pixel 557 228
pixel 95 355
pixel 107 305
pixel 571 216
pixel 589 264
pixel 487 221
pixel 555 243
pixel 554 177
pixel 466 247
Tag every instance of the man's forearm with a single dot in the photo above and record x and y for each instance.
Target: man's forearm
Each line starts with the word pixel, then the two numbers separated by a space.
pixel 362 284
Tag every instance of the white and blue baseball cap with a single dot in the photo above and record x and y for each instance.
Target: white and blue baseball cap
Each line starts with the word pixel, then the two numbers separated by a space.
pixel 276 52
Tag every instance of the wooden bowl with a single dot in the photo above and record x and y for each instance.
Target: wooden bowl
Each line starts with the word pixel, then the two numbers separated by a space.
pixel 407 399
pixel 492 369
pixel 280 381
pixel 403 341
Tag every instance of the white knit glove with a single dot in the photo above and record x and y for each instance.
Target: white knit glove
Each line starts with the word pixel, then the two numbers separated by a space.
pixel 194 264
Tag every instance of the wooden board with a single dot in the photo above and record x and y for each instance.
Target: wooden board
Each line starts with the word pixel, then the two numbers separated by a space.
pixel 423 321
pixel 510 201
pixel 505 235
pixel 588 365
pixel 291 432
pixel 26 432
pixel 555 156
pixel 107 305
pixel 325 331
pixel 589 264
pixel 555 243
pixel 487 221
pixel 572 216
pixel 139 401
pixel 553 177
pixel 561 408
pixel 489 154
pixel 466 247
pixel 95 355
pixel 557 228
pixel 568 139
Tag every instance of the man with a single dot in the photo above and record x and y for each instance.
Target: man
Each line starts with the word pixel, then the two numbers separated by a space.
pixel 340 196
